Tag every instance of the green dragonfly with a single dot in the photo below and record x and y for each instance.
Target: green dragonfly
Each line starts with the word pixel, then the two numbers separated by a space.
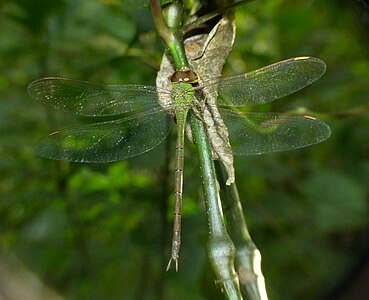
pixel 138 123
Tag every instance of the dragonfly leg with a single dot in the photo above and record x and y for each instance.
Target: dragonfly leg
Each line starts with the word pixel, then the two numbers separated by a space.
pixel 198 109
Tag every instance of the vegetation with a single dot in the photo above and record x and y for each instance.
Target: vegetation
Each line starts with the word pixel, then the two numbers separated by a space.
pixel 103 231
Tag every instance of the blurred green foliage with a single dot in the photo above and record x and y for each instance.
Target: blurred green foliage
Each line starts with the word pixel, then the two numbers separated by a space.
pixel 103 231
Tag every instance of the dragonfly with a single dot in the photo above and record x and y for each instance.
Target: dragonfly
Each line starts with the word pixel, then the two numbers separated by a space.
pixel 137 122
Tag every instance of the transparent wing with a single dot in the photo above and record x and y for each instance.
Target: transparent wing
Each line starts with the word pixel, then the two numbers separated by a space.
pixel 92 99
pixel 269 83
pixel 257 133
pixel 108 141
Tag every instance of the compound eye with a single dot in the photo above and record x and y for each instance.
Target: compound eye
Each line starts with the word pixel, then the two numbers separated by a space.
pixel 176 77
pixel 184 76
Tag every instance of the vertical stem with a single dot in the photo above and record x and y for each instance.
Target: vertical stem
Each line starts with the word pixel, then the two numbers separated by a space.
pixel 248 258
pixel 171 37
pixel 220 247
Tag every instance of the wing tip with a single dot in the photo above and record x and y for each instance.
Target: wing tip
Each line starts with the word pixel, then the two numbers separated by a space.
pixel 32 87
pixel 320 65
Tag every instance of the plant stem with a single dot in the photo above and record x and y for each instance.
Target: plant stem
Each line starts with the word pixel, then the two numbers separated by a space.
pixel 248 258
pixel 221 250
pixel 171 37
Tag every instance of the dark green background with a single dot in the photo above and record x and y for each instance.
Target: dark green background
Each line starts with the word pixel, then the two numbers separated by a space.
pixel 103 231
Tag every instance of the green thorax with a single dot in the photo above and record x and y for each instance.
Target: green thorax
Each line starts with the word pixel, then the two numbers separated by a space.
pixel 183 93
pixel 182 96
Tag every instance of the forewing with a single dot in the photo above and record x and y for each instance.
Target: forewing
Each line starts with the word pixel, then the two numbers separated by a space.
pixel 108 141
pixel 269 83
pixel 92 99
pixel 257 133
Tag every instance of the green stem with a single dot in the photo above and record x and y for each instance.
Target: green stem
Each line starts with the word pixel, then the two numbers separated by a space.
pixel 171 37
pixel 248 258
pixel 221 250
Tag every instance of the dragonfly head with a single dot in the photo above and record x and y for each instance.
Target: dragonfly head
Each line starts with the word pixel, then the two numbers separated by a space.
pixel 188 76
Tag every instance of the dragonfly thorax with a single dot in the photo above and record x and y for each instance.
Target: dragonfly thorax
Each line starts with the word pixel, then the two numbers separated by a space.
pixel 182 94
